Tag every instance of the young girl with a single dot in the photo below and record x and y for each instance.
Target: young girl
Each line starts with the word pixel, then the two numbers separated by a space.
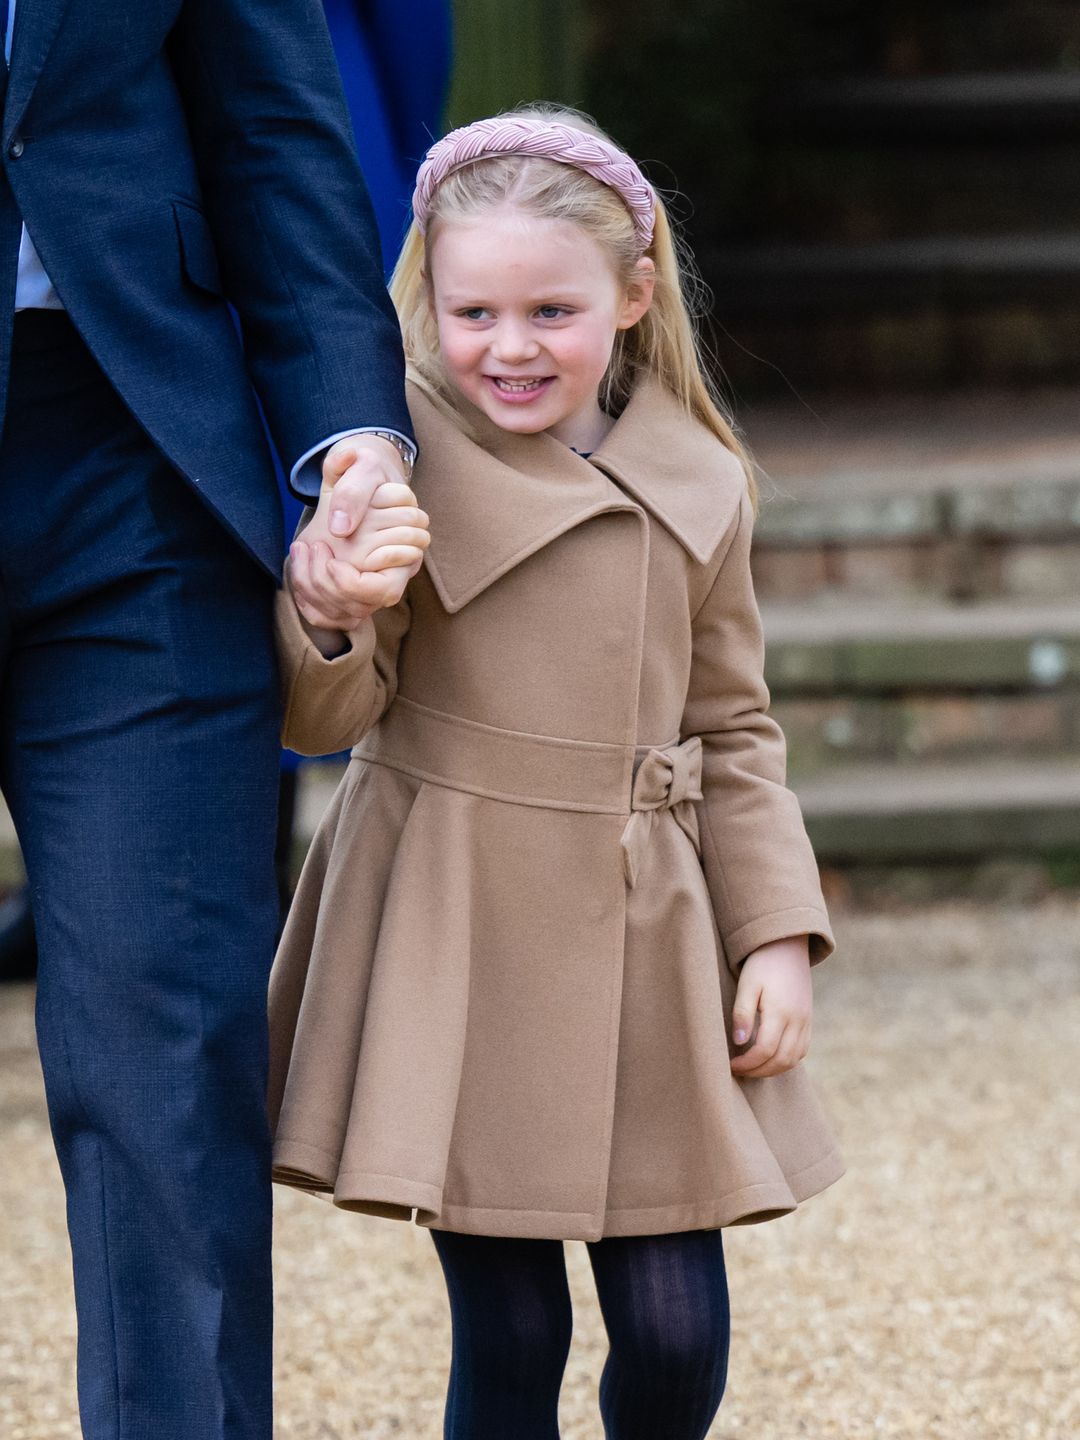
pixel 562 883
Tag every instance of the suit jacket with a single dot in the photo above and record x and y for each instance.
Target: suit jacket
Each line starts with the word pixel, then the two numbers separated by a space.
pixel 165 155
pixel 504 991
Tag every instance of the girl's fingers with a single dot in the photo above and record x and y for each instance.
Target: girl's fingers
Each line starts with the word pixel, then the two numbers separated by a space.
pixel 334 593
pixel 378 589
pixel 745 1010
pixel 763 1049
pixel 331 581
pixel 374 586
pixel 396 579
pixel 397 517
pixel 389 516
pixel 308 601
pixel 393 557
pixel 402 535
pixel 790 1050
pixel 357 551
pixel 335 590
pixel 351 587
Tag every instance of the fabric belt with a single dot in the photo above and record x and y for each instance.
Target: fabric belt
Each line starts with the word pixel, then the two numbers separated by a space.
pixel 541 770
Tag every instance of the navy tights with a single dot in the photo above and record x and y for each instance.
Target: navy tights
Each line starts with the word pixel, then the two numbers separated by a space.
pixel 665 1305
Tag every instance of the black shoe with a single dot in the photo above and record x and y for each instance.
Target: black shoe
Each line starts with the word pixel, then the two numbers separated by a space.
pixel 18 945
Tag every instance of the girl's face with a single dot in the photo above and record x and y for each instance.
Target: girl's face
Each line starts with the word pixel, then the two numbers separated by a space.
pixel 527 311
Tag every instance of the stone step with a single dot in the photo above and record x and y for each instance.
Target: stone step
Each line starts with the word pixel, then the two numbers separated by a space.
pixel 828 447
pixel 965 497
pixel 913 572
pixel 889 684
pixel 826 732
pixel 924 814
pixel 950 649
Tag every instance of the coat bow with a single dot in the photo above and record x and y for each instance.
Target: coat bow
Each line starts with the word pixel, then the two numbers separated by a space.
pixel 667 779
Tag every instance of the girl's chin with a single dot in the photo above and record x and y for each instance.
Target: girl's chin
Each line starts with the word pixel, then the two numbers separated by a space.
pixel 522 419
pixel 522 424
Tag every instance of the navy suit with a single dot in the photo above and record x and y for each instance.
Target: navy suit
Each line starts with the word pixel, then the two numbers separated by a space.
pixel 165 154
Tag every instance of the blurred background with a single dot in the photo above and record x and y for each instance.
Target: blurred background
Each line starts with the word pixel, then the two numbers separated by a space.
pixel 884 203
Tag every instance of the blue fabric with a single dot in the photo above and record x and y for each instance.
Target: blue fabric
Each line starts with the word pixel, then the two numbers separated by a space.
pixel 664 1301
pixel 394 57
pixel 138 754
pixel 253 193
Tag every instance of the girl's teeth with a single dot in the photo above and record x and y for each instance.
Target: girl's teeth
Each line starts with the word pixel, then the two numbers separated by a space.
pixel 517 385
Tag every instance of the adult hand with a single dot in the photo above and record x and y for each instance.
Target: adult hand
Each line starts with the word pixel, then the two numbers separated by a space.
pixel 353 470
pixel 338 586
pixel 774 1003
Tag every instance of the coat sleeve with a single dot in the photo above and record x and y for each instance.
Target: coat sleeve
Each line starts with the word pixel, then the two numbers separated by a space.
pixel 291 219
pixel 758 863
pixel 330 705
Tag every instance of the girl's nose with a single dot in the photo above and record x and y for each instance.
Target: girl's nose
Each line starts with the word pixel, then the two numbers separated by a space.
pixel 512 343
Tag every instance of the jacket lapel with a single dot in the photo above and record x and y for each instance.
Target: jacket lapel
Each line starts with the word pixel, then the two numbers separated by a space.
pixel 496 498
pixel 36 24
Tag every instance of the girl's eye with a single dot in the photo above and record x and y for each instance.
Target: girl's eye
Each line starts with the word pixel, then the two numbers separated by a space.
pixel 477 312
pixel 551 312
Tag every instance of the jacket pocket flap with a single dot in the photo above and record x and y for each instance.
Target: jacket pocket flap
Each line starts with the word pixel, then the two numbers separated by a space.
pixel 197 247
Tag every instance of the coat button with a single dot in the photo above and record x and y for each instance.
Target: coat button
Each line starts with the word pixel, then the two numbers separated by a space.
pixel 16 148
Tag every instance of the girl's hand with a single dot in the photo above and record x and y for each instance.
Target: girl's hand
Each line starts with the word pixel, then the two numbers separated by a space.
pixel 392 535
pixel 338 583
pixel 774 1003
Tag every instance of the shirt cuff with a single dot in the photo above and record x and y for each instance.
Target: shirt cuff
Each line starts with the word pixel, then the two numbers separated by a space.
pixel 305 477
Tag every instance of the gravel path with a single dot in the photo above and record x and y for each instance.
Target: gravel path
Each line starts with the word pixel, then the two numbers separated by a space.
pixel 934 1294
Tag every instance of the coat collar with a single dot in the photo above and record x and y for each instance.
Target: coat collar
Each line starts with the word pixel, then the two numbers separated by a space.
pixel 36 24
pixel 496 498
pixel 675 467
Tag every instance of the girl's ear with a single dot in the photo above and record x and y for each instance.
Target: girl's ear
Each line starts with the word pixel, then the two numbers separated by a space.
pixel 639 293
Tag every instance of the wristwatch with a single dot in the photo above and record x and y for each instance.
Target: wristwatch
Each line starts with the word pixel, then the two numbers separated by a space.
pixel 403 448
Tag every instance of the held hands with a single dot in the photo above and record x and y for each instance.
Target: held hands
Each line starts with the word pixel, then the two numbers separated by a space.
pixel 365 541
pixel 773 1006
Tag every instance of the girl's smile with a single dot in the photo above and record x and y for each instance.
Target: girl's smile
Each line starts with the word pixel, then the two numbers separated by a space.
pixel 527 311
pixel 514 391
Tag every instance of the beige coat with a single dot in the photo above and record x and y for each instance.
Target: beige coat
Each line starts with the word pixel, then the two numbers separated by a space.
pixel 503 996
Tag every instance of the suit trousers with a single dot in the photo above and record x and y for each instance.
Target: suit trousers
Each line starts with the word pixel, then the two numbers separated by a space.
pixel 139 758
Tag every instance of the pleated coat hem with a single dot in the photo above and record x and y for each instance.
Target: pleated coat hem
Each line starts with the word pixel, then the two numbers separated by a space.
pixel 303 1166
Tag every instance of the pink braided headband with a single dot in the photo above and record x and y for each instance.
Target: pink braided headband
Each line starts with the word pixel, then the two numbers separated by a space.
pixel 547 140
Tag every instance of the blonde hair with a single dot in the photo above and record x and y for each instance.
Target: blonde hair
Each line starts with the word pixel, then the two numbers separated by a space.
pixel 664 343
